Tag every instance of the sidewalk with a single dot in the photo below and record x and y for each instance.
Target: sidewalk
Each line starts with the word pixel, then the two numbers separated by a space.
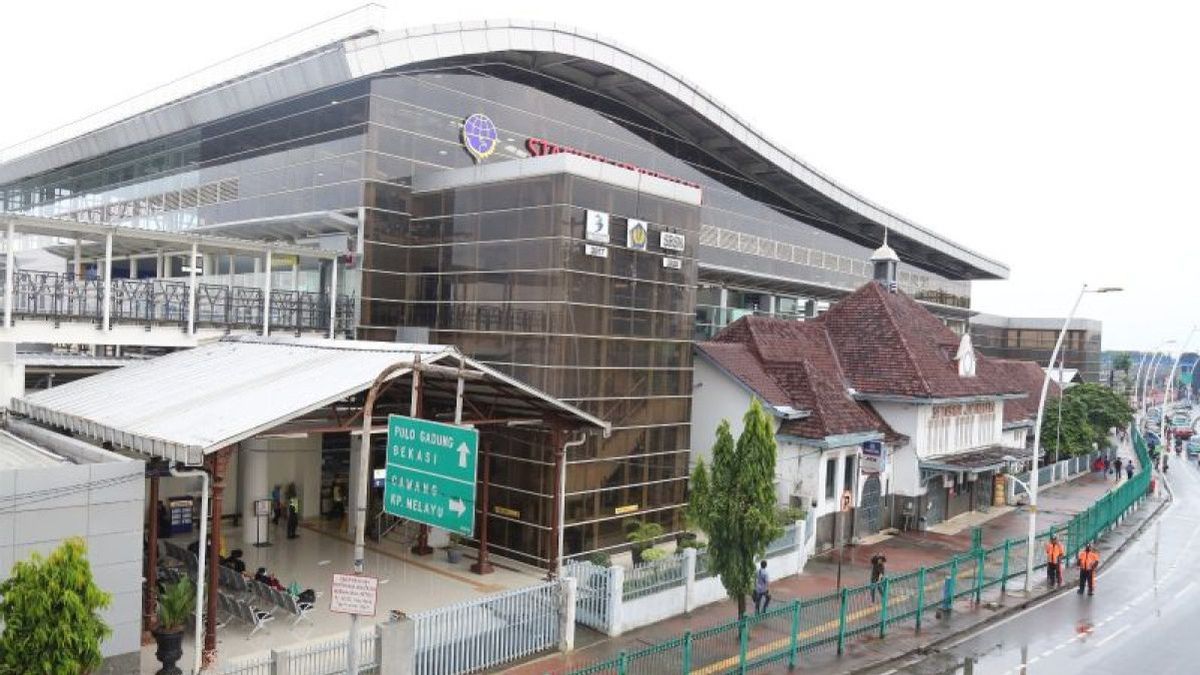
pixel 905 551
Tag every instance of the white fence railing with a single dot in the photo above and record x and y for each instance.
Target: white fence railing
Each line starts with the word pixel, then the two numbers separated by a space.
pixel 1059 471
pixel 323 657
pixel 487 632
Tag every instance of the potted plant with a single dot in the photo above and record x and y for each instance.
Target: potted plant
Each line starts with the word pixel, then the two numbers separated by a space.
pixel 642 537
pixel 174 605
pixel 453 555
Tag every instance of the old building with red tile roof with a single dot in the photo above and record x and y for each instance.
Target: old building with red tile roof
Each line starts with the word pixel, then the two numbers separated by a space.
pixel 875 375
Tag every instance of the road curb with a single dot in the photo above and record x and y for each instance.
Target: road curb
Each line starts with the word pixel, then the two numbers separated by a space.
pixel 938 644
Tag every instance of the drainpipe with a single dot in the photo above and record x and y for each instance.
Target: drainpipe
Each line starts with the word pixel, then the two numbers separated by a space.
pixel 199 638
pixel 562 498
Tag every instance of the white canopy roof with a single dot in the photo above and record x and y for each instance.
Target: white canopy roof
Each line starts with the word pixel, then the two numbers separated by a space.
pixel 189 403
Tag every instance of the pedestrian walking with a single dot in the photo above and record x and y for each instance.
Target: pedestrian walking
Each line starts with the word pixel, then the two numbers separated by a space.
pixel 1129 469
pixel 1054 556
pixel 1089 560
pixel 877 571
pixel 1117 464
pixel 293 517
pixel 762 591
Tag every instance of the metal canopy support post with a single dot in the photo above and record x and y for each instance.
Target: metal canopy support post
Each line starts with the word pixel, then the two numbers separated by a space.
pixel 217 463
pixel 266 329
pixel 191 316
pixel 77 261
pixel 560 460
pixel 150 597
pixel 158 261
pixel 416 406
pixel 333 297
pixel 107 280
pixel 483 565
pixel 296 289
pixel 8 275
pixel 198 623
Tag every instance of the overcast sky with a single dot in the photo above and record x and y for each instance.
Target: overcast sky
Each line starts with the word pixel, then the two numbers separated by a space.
pixel 1061 138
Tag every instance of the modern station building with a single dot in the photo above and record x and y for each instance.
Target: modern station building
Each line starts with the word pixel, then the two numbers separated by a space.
pixel 1032 339
pixel 554 205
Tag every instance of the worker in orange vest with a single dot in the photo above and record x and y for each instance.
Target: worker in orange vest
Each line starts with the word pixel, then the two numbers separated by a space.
pixel 1089 560
pixel 1054 556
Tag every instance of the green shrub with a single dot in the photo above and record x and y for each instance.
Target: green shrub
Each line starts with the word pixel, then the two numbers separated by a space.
pixel 786 515
pixel 50 610
pixel 652 554
pixel 601 559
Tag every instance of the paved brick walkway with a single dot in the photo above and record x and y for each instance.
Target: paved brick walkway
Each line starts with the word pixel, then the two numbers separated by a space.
pixel 905 551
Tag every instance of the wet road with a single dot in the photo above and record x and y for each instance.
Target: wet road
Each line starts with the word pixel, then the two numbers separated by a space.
pixel 1145 616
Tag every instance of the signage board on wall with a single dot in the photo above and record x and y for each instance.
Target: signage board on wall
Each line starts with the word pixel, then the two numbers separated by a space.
pixel 354 594
pixel 671 241
pixel 874 457
pixel 637 234
pixel 595 251
pixel 672 263
pixel 596 227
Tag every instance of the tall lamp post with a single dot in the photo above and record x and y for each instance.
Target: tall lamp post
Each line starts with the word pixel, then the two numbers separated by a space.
pixel 1147 379
pixel 1170 387
pixel 1037 432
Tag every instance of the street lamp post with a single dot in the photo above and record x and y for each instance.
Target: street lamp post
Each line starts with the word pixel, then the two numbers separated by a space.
pixel 1170 387
pixel 1037 432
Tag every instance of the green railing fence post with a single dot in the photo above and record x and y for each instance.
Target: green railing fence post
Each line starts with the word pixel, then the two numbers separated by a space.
pixel 743 643
pixel 976 538
pixel 883 609
pixel 1004 567
pixel 979 574
pixel 920 596
pixel 687 653
pixel 841 637
pixel 794 641
pixel 623 664
pixel 953 580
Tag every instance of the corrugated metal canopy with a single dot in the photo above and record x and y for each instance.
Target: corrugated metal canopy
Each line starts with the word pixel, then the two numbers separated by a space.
pixel 19 454
pixel 193 402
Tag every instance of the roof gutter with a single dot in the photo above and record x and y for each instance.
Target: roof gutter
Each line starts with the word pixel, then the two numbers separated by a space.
pixel 838 441
pixel 896 398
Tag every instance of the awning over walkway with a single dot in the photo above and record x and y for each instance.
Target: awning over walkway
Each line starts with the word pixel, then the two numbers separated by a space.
pixel 190 403
pixel 975 461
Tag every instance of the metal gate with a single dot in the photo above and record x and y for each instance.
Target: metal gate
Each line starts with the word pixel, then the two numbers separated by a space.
pixel 592 595
pixel 983 487
pixel 870 505
pixel 487 632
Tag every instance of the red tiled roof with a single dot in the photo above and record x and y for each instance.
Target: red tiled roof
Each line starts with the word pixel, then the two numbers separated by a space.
pixel 794 364
pixel 1025 376
pixel 890 345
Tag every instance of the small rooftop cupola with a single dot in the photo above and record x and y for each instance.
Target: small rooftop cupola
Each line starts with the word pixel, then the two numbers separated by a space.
pixel 885 260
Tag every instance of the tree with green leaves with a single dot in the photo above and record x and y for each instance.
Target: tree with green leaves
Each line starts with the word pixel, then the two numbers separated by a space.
pixel 1089 411
pixel 735 502
pixel 50 608
pixel 1122 361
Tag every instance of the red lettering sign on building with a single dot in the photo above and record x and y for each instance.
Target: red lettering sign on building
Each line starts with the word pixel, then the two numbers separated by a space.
pixel 539 147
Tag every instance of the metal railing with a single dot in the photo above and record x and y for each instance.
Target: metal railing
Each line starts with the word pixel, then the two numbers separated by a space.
pixel 593 585
pixel 651 577
pixel 487 632
pixel 60 297
pixel 326 657
pixel 828 621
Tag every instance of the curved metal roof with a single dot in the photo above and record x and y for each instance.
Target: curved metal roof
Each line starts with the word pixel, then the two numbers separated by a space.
pixel 573 56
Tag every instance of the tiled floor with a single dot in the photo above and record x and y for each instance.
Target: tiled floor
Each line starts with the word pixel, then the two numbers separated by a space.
pixel 407 583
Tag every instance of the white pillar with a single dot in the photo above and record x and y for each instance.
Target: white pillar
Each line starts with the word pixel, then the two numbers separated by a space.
pixel 689 579
pixel 133 267
pixel 771 305
pixel 107 280
pixel 252 469
pixel 232 267
pixel 333 297
pixel 566 615
pixel 616 597
pixel 723 319
pixel 191 313
pixel 355 451
pixel 77 268
pixel 266 330
pixel 158 264
pixel 8 275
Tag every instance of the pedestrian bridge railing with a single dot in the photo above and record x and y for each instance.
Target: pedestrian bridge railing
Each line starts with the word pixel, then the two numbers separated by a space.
pixel 63 297
pixel 826 622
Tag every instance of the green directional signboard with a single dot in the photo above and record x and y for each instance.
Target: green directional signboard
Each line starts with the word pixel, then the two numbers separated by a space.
pixel 431 473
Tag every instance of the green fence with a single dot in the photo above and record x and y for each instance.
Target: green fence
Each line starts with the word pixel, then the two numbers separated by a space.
pixel 828 621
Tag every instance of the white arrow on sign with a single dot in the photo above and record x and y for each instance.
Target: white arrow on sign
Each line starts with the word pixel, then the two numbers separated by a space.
pixel 463 451
pixel 457 506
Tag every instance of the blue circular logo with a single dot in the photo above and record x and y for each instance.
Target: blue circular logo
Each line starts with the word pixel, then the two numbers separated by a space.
pixel 479 136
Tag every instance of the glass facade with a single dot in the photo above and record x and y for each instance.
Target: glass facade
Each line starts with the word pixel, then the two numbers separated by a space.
pixel 1081 348
pixel 500 269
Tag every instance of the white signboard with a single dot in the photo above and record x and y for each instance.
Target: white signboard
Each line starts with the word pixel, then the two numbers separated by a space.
pixel 874 457
pixel 354 594
pixel 672 263
pixel 597 226
pixel 262 507
pixel 671 241
pixel 637 234
pixel 595 251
